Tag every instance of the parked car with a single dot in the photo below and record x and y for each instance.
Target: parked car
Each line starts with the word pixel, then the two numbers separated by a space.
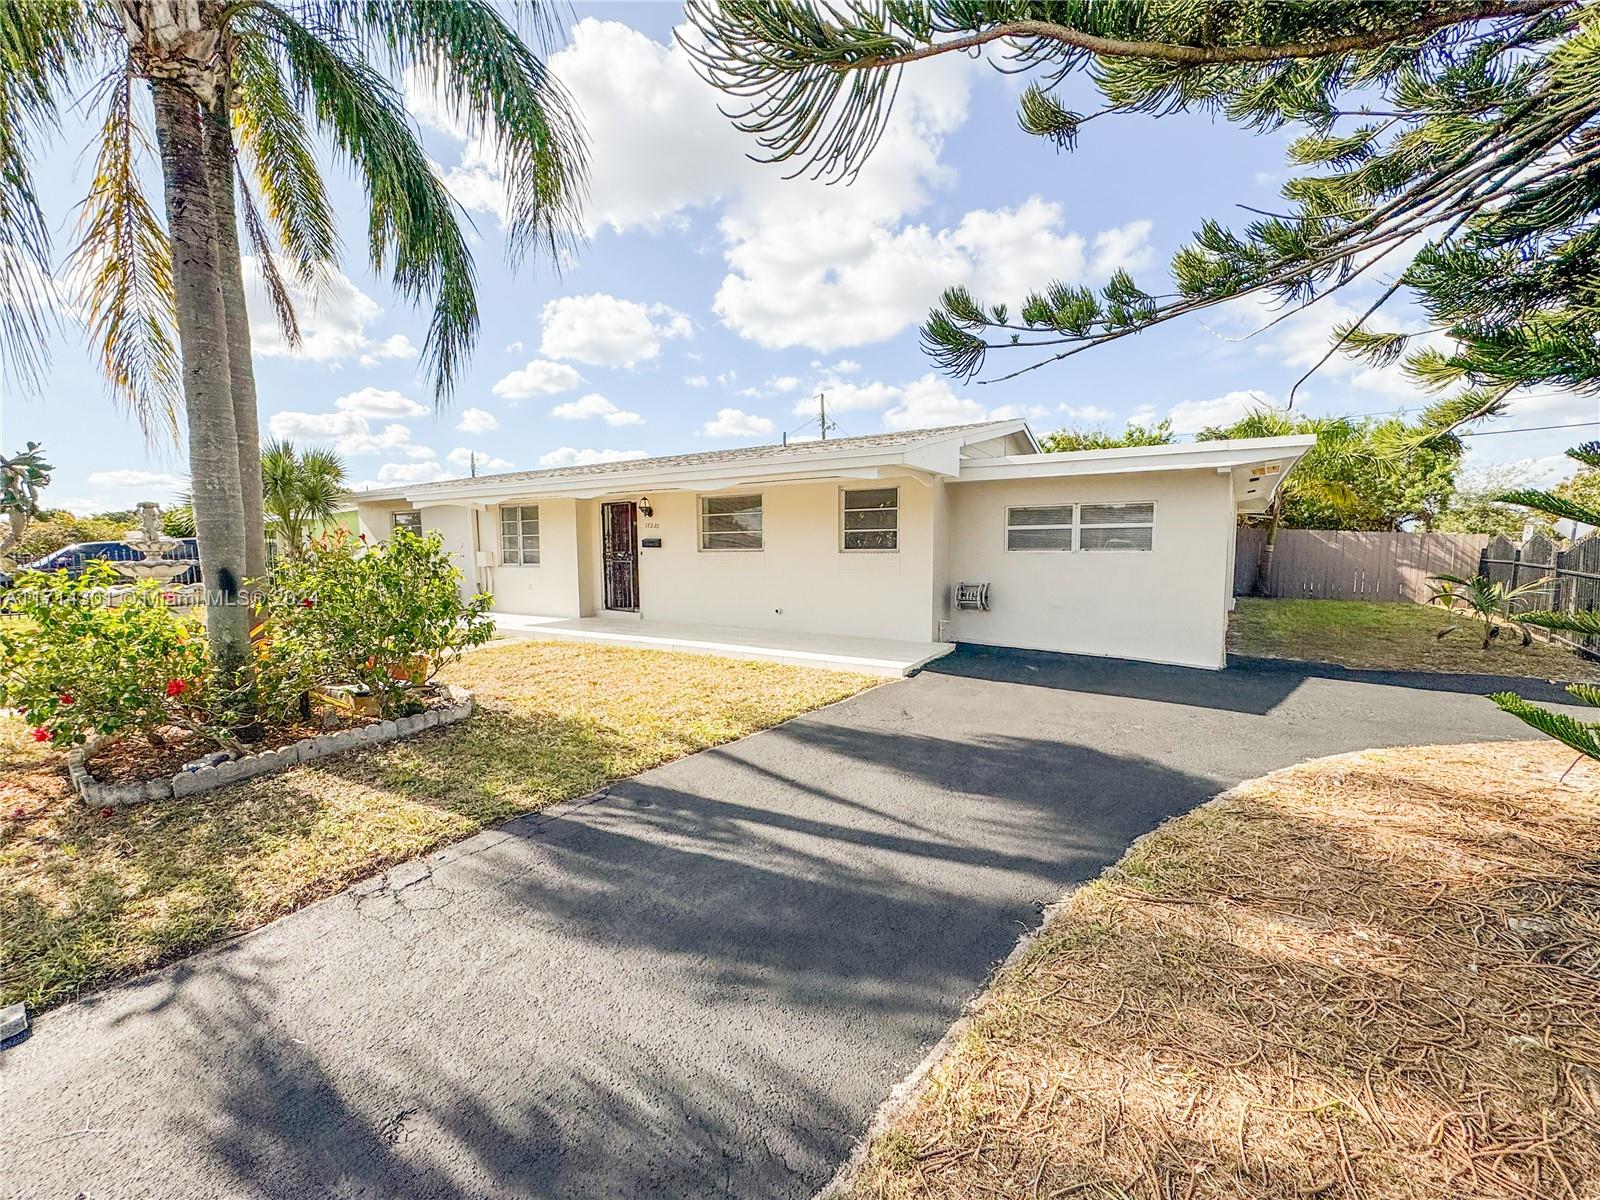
pixel 71 559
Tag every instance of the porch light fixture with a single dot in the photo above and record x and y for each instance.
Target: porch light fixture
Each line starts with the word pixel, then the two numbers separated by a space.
pixel 644 507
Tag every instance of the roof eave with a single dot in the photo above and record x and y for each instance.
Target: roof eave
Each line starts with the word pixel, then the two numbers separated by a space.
pixel 914 456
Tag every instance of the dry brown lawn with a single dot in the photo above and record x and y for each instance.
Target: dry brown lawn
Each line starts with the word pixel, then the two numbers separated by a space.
pixel 1370 976
pixel 86 898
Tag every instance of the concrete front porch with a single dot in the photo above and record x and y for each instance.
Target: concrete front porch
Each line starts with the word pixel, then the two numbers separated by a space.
pixel 869 656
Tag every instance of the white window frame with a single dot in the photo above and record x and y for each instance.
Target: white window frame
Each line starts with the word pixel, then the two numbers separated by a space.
pixel 1078 527
pixel 844 495
pixel 1071 525
pixel 1077 539
pixel 701 532
pixel 520 536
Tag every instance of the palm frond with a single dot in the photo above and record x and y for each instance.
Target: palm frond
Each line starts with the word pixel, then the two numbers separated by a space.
pixel 41 43
pixel 261 246
pixel 121 273
pixel 273 136
pixel 1580 736
pixel 413 229
pixel 485 72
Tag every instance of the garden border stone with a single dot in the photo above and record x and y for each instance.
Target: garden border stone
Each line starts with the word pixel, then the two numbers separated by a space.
pixel 268 762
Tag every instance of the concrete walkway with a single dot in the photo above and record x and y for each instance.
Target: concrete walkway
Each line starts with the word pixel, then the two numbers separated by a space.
pixel 700 984
pixel 829 651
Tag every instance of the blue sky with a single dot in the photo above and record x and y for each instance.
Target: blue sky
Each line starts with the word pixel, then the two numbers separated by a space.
pixel 715 298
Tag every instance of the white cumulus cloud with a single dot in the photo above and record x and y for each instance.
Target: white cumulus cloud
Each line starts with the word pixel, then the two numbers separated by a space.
pixel 350 433
pixel 478 420
pixel 1191 416
pixel 380 403
pixel 731 423
pixel 334 321
pixel 607 331
pixel 539 378
pixel 595 405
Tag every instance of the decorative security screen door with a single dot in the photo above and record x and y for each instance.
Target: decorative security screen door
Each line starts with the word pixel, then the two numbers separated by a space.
pixel 619 522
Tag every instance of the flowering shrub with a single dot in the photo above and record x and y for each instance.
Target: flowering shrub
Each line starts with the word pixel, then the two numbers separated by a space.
pixel 385 618
pixel 76 667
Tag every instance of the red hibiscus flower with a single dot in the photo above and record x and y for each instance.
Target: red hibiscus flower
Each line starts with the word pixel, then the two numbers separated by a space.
pixel 308 602
pixel 66 698
pixel 42 734
pixel 177 687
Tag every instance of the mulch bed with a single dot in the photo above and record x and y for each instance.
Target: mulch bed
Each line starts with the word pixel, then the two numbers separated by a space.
pixel 126 760
pixel 1370 976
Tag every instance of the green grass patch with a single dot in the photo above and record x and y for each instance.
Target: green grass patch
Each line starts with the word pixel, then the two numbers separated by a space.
pixel 86 899
pixel 1395 637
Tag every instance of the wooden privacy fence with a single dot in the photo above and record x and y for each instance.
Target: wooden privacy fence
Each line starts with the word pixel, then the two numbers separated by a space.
pixel 1572 577
pixel 1319 564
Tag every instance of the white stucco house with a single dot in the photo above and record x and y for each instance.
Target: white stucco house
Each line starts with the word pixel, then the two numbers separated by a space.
pixel 878 551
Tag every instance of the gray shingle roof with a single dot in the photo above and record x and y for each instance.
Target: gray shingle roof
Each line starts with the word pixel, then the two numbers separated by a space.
pixel 704 457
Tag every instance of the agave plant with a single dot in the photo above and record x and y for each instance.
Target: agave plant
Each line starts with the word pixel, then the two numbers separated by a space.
pixel 1486 601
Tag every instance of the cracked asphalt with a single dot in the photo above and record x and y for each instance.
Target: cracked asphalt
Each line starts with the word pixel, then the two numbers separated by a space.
pixel 700 983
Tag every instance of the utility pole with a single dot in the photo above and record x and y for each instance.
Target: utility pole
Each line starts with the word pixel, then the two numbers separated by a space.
pixel 822 415
pixel 472 461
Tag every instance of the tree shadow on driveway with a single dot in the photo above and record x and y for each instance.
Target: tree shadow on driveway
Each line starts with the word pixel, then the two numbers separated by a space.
pixel 700 983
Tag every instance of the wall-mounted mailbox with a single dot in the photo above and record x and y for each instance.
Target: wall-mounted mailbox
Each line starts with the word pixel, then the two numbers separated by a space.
pixel 651 543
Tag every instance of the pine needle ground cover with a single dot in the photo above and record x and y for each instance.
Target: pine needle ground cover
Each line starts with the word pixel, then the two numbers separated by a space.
pixel 1370 976
pixel 1392 637
pixel 87 898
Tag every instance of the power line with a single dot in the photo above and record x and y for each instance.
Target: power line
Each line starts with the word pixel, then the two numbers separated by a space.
pixel 1529 429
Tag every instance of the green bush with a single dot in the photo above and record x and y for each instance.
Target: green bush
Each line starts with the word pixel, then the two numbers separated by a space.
pixel 383 618
pixel 76 667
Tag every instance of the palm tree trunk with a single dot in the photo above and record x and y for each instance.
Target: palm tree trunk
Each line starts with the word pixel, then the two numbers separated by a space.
pixel 1264 560
pixel 208 402
pixel 241 365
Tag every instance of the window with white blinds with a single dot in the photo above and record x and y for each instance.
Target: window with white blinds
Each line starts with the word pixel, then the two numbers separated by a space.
pixel 1085 527
pixel 730 523
pixel 519 535
pixel 1040 527
pixel 1116 526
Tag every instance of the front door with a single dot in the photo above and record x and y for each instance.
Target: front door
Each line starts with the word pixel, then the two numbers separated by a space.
pixel 619 525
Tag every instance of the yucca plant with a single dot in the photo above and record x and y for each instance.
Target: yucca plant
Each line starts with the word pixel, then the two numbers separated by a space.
pixel 1582 736
pixel 242 95
pixel 302 490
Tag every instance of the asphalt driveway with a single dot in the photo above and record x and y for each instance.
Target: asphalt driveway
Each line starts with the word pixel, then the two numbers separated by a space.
pixel 699 984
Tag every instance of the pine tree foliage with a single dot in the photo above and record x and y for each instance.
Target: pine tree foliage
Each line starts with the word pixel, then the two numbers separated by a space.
pixel 1584 737
pixel 302 76
pixel 1467 126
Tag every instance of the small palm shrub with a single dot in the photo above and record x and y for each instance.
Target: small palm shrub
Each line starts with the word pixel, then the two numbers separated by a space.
pixel 76 667
pixel 1490 603
pixel 384 618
